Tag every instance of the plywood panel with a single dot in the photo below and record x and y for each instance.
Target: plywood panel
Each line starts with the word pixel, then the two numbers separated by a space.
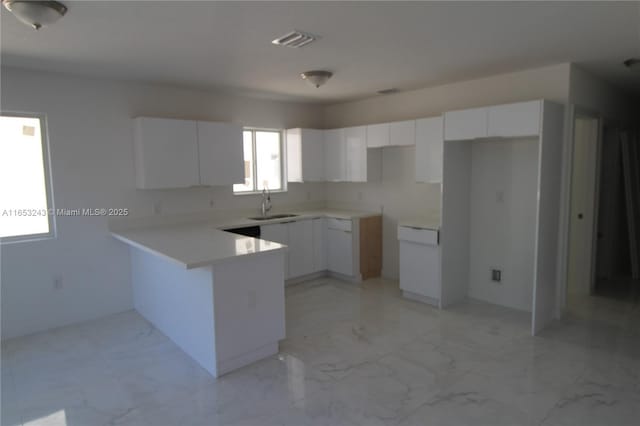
pixel 370 247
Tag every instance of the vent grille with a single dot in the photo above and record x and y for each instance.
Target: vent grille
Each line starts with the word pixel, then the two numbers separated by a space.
pixel 295 39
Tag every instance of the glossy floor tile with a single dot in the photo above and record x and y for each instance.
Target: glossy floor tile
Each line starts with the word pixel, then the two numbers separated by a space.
pixel 353 356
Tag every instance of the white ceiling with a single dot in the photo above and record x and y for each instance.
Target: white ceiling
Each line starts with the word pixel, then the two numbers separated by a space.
pixel 368 45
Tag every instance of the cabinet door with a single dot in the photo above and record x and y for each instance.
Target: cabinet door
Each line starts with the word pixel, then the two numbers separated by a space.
pixel 334 159
pixel 515 120
pixel 294 155
pixel 429 144
pixel 465 124
pixel 220 153
pixel 301 248
pixel 312 155
pixel 402 133
pixel 420 269
pixel 377 135
pixel 355 140
pixel 279 233
pixel 166 153
pixel 340 251
pixel 319 244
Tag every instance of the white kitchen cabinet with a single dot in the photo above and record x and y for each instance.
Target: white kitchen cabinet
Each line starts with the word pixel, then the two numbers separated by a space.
pixel 402 133
pixel 420 264
pixel 514 120
pixel 305 155
pixel 377 135
pixel 429 142
pixel 166 153
pixel 220 153
pixel 279 233
pixel 340 246
pixel 319 244
pixel 301 248
pixel 466 124
pixel 334 155
pixel 355 148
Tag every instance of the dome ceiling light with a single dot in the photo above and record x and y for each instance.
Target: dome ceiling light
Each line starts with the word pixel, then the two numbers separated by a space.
pixel 316 78
pixel 36 14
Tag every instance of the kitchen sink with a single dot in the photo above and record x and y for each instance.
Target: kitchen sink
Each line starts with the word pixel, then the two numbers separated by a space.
pixel 274 216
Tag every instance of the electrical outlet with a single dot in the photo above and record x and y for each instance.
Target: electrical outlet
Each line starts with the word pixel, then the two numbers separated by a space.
pixel 308 195
pixel 212 203
pixel 496 275
pixel 57 283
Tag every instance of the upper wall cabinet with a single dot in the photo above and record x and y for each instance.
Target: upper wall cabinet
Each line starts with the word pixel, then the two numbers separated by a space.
pixel 402 133
pixel 221 159
pixel 514 120
pixel 465 124
pixel 305 155
pixel 377 135
pixel 334 156
pixel 183 153
pixel 166 153
pixel 510 120
pixel 429 141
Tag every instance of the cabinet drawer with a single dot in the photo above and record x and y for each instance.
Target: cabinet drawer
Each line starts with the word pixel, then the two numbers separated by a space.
pixel 417 235
pixel 339 224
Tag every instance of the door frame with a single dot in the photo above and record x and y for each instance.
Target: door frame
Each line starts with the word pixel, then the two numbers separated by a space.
pixel 574 111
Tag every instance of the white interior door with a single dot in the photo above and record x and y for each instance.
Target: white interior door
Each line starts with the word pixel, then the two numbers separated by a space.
pixel 582 219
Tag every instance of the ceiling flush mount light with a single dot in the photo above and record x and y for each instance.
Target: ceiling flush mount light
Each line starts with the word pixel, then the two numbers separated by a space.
pixel 294 39
pixel 633 64
pixel 316 78
pixel 36 14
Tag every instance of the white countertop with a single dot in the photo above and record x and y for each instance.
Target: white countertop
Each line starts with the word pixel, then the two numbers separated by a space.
pixel 204 243
pixel 194 246
pixel 306 214
pixel 427 222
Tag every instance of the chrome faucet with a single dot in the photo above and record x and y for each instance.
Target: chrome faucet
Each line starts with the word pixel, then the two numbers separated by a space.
pixel 266 201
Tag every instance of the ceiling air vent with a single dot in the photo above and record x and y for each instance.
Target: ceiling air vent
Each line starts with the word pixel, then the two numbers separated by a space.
pixel 295 39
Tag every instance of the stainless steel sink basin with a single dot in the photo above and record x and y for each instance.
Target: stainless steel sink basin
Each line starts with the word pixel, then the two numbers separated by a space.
pixel 274 216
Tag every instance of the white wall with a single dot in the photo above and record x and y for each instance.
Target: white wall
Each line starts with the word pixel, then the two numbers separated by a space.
pixel 599 96
pixel 502 217
pixel 90 136
pixel 398 194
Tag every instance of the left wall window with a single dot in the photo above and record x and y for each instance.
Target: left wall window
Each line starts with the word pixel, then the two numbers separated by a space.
pixel 25 187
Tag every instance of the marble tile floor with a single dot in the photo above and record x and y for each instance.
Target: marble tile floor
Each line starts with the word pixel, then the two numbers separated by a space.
pixel 353 356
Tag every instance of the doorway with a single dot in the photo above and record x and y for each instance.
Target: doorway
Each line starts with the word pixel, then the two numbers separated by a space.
pixel 586 136
pixel 602 287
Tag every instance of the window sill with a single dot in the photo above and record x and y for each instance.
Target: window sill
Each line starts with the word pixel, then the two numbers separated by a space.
pixel 27 239
pixel 276 191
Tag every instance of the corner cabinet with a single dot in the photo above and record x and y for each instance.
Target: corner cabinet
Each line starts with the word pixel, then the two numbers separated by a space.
pixel 183 153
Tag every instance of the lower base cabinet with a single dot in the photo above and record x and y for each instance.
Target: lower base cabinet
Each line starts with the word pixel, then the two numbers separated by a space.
pixel 301 245
pixel 278 233
pixel 352 248
pixel 420 264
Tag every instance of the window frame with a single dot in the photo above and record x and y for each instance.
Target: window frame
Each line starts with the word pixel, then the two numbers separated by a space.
pixel 283 161
pixel 48 180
